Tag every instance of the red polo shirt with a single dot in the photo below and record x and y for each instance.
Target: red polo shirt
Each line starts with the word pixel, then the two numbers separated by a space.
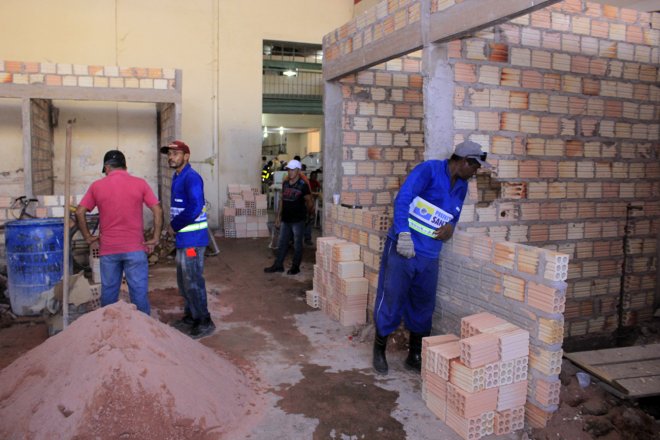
pixel 119 197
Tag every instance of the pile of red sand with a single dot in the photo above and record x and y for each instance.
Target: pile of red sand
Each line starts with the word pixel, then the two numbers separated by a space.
pixel 117 373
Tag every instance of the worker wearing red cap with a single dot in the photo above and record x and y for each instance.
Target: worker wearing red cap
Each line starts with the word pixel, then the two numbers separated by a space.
pixel 189 222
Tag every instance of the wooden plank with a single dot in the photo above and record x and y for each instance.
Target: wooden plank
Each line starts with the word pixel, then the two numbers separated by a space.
pixel 630 370
pixel 633 371
pixel 616 355
pixel 641 386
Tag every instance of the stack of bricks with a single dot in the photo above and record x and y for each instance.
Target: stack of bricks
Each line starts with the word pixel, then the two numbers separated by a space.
pixel 366 227
pixel 245 213
pixel 478 384
pixel 522 285
pixel 340 289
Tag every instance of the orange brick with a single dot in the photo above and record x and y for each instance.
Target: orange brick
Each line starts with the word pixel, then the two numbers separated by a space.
pixel 599 29
pixel 532 79
pixel 53 80
pixel 465 72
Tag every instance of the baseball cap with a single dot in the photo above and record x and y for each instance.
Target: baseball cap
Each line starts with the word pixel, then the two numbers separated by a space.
pixel 293 164
pixel 175 145
pixel 472 150
pixel 114 158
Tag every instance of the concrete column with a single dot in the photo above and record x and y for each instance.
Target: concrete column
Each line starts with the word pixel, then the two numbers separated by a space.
pixel 438 102
pixel 333 145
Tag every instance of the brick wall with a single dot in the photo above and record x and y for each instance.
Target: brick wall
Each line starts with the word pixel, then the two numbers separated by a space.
pixel 81 75
pixel 521 284
pixel 382 140
pixel 566 99
pixel 42 146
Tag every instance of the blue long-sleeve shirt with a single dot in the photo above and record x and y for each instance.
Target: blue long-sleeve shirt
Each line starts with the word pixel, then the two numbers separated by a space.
pixel 431 181
pixel 187 209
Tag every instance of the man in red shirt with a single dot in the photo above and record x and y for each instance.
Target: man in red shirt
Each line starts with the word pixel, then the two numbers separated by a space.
pixel 123 250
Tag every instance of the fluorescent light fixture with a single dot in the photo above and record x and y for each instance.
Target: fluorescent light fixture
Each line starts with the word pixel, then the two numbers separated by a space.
pixel 290 72
pixel 281 131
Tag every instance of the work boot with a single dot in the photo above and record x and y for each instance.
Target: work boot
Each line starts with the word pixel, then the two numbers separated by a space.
pixel 203 327
pixel 414 359
pixel 274 268
pixel 379 360
pixel 185 323
pixel 293 271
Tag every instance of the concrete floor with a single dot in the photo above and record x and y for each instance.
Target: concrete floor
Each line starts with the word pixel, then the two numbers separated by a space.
pixel 315 374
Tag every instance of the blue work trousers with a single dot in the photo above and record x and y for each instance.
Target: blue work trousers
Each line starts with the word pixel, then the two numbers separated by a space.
pixel 136 268
pixel 286 230
pixel 191 283
pixel 406 288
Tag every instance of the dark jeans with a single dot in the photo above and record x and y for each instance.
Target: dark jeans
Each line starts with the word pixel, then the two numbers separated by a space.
pixel 286 230
pixel 136 267
pixel 190 279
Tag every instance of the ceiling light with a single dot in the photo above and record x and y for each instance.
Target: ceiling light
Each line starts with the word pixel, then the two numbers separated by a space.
pixel 281 131
pixel 265 132
pixel 290 72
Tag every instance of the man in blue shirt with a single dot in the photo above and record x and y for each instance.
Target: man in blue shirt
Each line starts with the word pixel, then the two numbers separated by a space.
pixel 426 211
pixel 189 222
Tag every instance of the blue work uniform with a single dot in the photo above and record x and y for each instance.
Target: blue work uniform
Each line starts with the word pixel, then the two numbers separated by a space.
pixel 407 286
pixel 188 218
pixel 187 209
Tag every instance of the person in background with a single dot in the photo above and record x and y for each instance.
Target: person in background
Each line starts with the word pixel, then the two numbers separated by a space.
pixel 315 188
pixel 295 204
pixel 426 211
pixel 314 183
pixel 119 197
pixel 266 177
pixel 189 222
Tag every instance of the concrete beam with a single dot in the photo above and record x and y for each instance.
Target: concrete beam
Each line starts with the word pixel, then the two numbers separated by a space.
pixel 473 15
pixel 26 91
pixel 459 20
pixel 394 45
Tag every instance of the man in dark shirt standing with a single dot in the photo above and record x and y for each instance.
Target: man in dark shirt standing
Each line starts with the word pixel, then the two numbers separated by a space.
pixel 295 204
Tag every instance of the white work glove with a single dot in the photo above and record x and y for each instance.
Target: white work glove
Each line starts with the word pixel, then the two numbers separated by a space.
pixel 405 246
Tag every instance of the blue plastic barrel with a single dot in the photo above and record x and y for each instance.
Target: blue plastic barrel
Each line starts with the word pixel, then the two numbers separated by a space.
pixel 35 256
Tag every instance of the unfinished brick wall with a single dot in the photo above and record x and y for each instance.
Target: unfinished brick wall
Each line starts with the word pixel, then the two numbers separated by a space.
pixel 383 139
pixel 566 98
pixel 82 75
pixel 521 284
pixel 42 146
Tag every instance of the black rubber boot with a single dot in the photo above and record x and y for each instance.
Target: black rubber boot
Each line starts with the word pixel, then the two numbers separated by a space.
pixel 380 361
pixel 202 328
pixel 414 359
pixel 185 324
pixel 274 268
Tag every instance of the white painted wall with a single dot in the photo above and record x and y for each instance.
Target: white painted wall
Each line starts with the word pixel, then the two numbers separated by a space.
pixel 216 43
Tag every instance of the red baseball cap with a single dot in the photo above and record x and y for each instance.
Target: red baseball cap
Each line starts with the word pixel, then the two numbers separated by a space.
pixel 175 145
